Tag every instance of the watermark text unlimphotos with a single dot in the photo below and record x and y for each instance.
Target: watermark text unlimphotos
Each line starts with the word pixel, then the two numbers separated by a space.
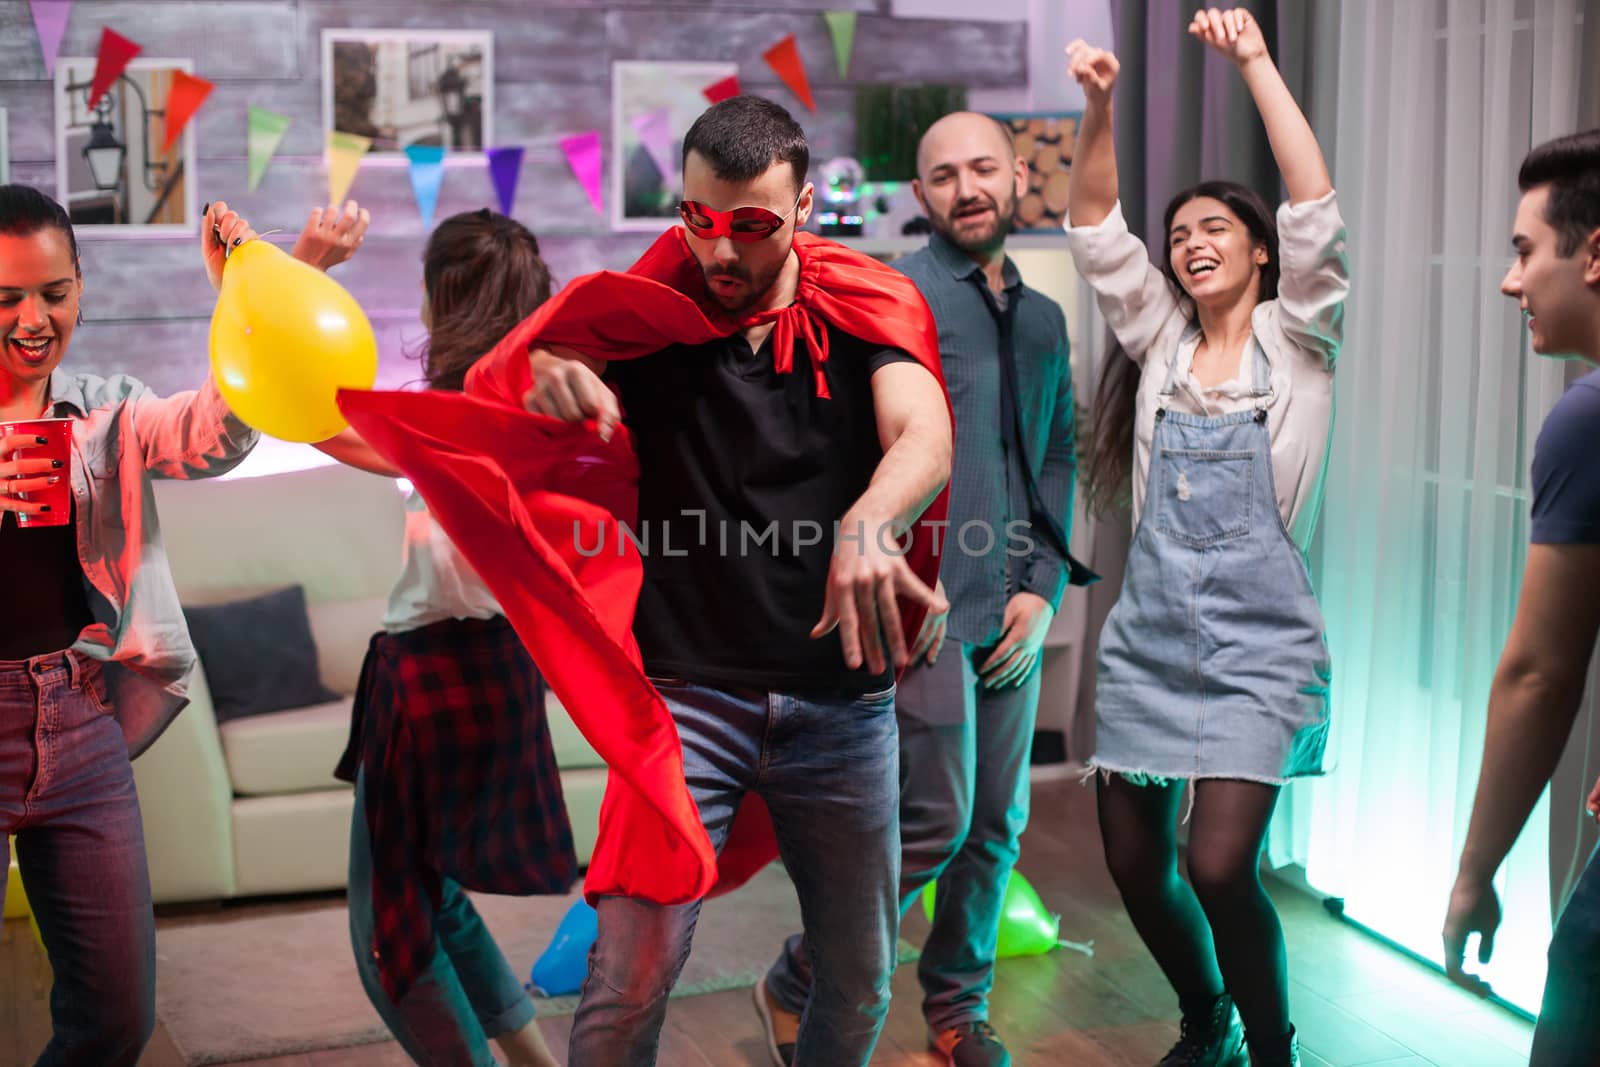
pixel 742 538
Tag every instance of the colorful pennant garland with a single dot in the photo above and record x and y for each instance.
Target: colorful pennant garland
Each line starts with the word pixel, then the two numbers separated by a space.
pixel 344 154
pixel 262 139
pixel 583 156
pixel 116 52
pixel 655 134
pixel 784 58
pixel 427 174
pixel 505 167
pixel 345 151
pixel 50 22
pixel 183 100
pixel 718 91
pixel 842 28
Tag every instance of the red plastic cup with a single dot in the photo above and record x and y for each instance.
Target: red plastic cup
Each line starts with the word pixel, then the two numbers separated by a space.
pixel 58 445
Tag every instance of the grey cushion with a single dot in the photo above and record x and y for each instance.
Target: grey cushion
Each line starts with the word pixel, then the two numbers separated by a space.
pixel 258 654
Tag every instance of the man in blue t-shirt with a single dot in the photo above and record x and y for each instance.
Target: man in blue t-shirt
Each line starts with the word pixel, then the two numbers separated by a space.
pixel 1539 683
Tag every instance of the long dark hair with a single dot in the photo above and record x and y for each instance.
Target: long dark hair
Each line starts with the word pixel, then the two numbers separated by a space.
pixel 483 275
pixel 1108 460
pixel 24 211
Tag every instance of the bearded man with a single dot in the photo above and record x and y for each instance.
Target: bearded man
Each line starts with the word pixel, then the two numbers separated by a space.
pixel 966 712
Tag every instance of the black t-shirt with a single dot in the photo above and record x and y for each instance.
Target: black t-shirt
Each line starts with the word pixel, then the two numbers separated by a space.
pixel 743 473
pixel 46 599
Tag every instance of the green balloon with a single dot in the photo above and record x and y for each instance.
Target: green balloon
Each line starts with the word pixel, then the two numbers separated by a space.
pixel 1026 928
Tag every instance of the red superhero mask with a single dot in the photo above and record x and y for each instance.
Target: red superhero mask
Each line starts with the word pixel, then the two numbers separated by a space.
pixel 742 224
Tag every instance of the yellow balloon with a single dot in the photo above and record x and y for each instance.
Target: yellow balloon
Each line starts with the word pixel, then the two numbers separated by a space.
pixel 285 338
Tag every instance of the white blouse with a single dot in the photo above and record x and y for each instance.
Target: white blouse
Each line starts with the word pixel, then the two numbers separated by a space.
pixel 436 582
pixel 1300 333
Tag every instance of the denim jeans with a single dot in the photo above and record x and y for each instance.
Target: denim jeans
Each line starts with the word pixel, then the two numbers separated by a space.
pixel 963 806
pixel 1568 1033
pixel 467 995
pixel 67 795
pixel 828 772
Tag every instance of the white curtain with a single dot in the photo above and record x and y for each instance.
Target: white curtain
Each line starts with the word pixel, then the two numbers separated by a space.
pixel 1425 524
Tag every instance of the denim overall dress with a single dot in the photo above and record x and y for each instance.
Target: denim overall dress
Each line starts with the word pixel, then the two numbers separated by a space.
pixel 1213 662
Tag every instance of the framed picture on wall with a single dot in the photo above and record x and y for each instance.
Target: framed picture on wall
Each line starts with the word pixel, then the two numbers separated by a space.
pixel 111 173
pixel 1045 140
pixel 652 107
pixel 5 149
pixel 410 87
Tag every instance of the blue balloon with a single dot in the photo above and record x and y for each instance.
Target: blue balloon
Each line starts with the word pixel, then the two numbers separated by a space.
pixel 565 963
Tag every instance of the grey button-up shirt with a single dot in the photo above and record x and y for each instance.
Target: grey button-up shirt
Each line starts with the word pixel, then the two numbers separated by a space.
pixel 989 553
pixel 123 435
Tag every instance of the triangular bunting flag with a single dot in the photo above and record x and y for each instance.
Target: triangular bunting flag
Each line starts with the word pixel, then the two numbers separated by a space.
pixel 188 93
pixel 784 57
pixel 842 28
pixel 50 21
pixel 427 174
pixel 505 167
pixel 265 134
pixel 655 134
pixel 719 91
pixel 116 52
pixel 345 152
pixel 583 155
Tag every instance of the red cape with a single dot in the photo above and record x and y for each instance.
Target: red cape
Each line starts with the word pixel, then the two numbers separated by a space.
pixel 520 494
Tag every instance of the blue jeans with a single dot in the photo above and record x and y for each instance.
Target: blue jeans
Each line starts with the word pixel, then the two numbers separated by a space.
pixel 467 995
pixel 67 794
pixel 963 805
pixel 829 773
pixel 1569 1023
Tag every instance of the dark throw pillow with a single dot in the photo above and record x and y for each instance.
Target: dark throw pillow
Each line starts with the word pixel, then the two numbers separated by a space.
pixel 258 654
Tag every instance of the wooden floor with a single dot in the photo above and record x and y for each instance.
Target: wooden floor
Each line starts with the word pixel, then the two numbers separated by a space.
pixel 1355 1002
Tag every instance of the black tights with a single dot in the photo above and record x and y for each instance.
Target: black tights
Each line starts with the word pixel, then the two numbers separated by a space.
pixel 1223 933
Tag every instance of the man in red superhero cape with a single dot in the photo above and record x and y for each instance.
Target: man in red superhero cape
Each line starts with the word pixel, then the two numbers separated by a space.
pixel 736 626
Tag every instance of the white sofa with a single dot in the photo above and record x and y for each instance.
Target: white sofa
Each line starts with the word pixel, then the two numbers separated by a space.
pixel 253 808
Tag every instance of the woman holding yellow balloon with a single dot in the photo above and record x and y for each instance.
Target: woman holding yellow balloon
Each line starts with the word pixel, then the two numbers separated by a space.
pixel 455 773
pixel 94 655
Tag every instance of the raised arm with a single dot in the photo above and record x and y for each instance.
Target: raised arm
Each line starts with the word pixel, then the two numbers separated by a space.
pixel 1236 34
pixel 331 237
pixel 1133 294
pixel 1092 188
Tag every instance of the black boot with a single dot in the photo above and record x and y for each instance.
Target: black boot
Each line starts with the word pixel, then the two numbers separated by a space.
pixel 1283 1052
pixel 1212 1039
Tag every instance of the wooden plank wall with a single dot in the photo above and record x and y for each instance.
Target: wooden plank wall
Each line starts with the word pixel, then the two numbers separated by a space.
pixel 146 302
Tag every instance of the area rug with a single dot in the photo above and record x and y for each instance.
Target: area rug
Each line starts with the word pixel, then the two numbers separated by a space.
pixel 243 985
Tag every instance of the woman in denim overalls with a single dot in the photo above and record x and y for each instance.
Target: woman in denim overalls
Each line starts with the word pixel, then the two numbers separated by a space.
pixel 1213 668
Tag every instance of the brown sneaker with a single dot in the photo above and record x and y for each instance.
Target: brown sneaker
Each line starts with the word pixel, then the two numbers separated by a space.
pixel 971 1045
pixel 782 1025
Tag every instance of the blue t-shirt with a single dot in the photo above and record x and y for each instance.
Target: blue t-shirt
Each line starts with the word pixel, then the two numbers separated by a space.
pixel 1566 468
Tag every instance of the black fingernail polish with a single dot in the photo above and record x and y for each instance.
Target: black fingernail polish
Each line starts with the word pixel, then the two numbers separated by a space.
pixel 55 464
pixel 206 208
pixel 42 440
pixel 237 241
